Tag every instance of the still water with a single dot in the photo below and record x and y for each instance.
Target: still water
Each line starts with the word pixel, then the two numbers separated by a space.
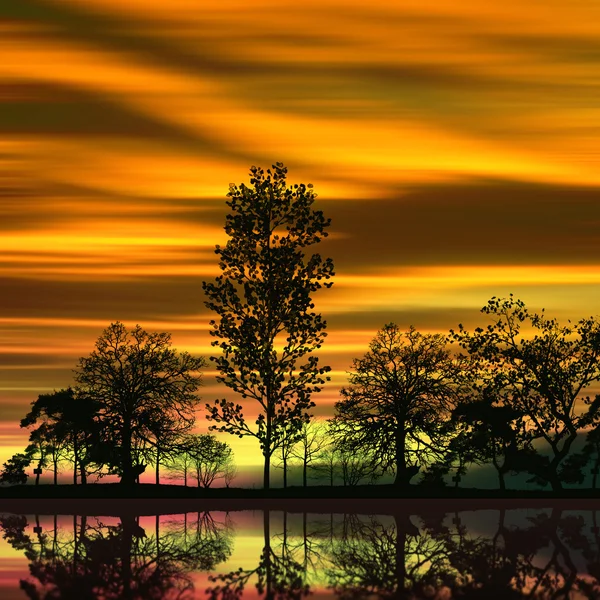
pixel 512 552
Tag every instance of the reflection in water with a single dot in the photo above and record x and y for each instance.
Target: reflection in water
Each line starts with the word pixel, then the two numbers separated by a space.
pixel 533 553
pixel 118 561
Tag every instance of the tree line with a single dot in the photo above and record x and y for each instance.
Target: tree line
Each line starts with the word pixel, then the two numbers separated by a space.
pixel 514 394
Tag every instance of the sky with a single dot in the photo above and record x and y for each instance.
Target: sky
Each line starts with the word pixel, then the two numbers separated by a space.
pixel 454 145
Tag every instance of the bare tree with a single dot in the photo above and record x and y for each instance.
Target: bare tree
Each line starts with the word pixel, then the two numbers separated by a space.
pixel 230 472
pixel 310 446
pixel 210 458
pixel 180 462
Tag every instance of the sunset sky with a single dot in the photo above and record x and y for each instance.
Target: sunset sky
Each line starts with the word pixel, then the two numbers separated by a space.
pixel 455 146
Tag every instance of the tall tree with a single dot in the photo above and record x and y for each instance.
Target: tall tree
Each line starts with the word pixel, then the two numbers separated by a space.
pixel 137 379
pixel 400 396
pixel 542 370
pixel 266 326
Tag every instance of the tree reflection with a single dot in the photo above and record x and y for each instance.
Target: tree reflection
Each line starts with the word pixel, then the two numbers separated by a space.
pixel 118 561
pixel 278 575
pixel 385 559
pixel 473 555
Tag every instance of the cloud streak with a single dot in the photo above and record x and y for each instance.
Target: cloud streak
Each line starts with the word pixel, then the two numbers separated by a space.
pixel 454 148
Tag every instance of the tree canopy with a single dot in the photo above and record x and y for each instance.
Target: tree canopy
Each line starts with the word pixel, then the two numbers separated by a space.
pixel 542 370
pixel 266 327
pixel 400 396
pixel 145 391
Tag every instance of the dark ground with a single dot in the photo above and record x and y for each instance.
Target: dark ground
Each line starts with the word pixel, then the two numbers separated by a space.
pixel 146 499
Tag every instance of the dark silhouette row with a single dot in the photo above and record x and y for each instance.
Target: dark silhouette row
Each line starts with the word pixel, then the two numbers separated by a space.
pixel 510 394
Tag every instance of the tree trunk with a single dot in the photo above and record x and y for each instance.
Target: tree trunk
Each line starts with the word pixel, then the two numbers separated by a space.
pixel 55 464
pixel 304 471
pixel 83 475
pixel 37 477
pixel 267 553
pixel 555 483
pixel 75 459
pixel 501 479
pixel 284 471
pixel 267 469
pixel 401 477
pixel 185 476
pixel 128 477
pixel 157 465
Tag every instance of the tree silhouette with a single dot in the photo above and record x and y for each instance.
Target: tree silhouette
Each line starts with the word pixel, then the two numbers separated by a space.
pixel 489 433
pixel 266 324
pixel 62 426
pixel 283 455
pixel 308 448
pixel 141 386
pixel 179 464
pixel 540 377
pixel 210 458
pixel 400 395
pixel 13 470
pixel 576 464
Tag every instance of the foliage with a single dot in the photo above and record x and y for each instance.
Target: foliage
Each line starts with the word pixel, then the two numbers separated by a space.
pixel 401 394
pixel 540 369
pixel 266 327
pixel 62 427
pixel 13 470
pixel 144 389
pixel 210 459
pixel 203 458
pixel 485 432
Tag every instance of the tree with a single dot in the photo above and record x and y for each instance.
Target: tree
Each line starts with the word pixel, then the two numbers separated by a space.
pixel 230 472
pixel 13 470
pixel 327 463
pixel 138 381
pixel 488 432
pixel 210 458
pixel 266 325
pixel 541 369
pixel 400 396
pixel 577 464
pixel 312 442
pixel 290 435
pixel 180 462
pixel 62 423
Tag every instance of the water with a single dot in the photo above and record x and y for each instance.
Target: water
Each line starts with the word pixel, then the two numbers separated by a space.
pixel 501 552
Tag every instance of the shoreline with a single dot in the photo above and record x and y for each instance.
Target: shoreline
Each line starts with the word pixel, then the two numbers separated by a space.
pixel 147 499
